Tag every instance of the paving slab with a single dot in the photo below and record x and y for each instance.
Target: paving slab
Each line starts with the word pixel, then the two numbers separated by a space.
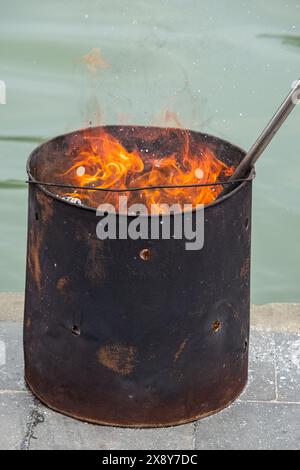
pixel 266 415
pixel 261 377
pixel 61 432
pixel 288 366
pixel 11 361
pixel 15 411
pixel 251 426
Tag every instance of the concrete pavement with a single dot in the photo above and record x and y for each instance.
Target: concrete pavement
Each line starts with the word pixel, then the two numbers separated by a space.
pixel 266 416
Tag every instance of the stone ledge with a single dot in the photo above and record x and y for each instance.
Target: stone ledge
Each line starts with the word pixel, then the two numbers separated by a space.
pixel 275 317
pixel 11 306
pixel 272 317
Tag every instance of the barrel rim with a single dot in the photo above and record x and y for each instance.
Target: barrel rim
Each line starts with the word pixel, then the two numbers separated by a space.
pixel 94 209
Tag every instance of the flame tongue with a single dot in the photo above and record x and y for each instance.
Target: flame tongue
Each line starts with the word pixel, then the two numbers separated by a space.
pixel 104 162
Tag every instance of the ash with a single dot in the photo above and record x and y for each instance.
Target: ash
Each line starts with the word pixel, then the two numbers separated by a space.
pixel 73 200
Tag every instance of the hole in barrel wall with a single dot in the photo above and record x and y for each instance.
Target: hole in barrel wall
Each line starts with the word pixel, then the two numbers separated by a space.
pixel 245 345
pixel 145 254
pixel 216 326
pixel 76 330
pixel 247 223
pixel 36 216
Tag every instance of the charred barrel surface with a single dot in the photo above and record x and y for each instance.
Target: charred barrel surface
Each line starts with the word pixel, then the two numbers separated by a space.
pixel 136 332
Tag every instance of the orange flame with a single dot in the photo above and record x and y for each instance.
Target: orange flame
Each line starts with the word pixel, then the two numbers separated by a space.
pixel 94 60
pixel 103 162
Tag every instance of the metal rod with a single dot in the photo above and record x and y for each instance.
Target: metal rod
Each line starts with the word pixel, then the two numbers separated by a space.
pixel 264 139
pixel 143 188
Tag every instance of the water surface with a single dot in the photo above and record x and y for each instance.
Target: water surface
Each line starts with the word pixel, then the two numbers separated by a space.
pixel 223 67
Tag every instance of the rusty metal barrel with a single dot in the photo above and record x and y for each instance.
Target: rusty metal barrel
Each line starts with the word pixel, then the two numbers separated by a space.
pixel 140 333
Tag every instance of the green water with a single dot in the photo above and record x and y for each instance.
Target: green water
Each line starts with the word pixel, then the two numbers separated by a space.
pixel 223 67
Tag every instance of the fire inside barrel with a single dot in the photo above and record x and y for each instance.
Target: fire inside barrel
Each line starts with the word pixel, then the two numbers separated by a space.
pixel 156 158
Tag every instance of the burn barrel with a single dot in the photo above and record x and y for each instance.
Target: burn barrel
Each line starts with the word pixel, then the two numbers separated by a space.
pixel 140 333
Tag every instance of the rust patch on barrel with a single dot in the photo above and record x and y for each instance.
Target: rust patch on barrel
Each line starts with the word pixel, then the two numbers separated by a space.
pixel 62 282
pixel 180 349
pixel 46 203
pixel 43 213
pixel 34 257
pixel 94 267
pixel 117 357
pixel 245 269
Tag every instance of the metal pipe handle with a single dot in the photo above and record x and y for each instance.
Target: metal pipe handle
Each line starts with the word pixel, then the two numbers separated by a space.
pixel 264 139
